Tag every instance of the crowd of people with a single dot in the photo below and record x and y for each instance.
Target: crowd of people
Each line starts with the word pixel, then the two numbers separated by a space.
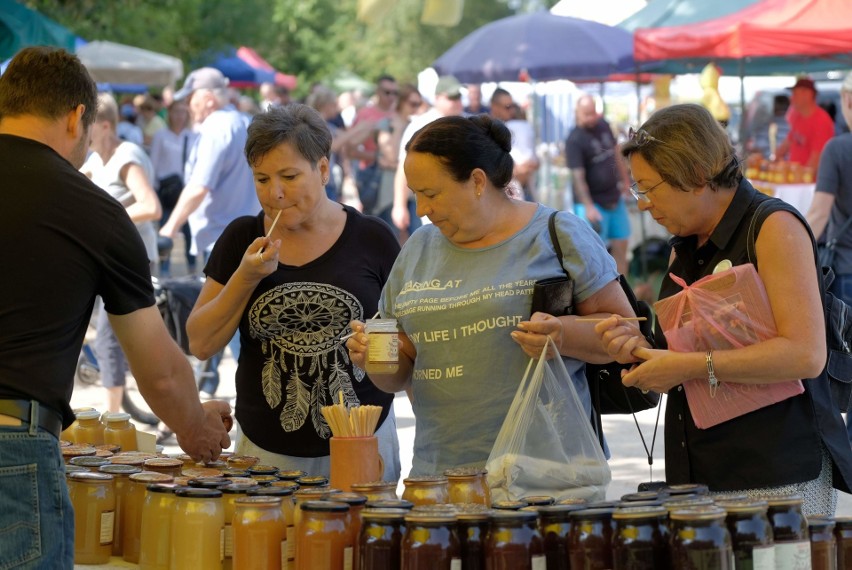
pixel 292 274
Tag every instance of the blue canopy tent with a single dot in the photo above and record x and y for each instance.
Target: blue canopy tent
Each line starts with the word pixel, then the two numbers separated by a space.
pixel 238 71
pixel 21 27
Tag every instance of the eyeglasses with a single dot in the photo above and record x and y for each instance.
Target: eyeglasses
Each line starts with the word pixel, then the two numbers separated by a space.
pixel 641 137
pixel 642 195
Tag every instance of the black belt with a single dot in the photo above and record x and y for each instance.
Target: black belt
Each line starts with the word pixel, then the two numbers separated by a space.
pixel 22 409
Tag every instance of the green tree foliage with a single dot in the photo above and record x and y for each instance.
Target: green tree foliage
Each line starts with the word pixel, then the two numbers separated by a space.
pixel 313 39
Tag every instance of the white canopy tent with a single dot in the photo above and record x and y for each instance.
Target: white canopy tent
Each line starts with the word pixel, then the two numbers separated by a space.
pixel 110 62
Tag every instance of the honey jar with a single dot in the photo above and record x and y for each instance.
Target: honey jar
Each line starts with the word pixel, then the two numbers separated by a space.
pixel 843 536
pixel 376 490
pixel 119 431
pixel 823 543
pixel 230 494
pixel 472 526
pixel 134 500
pixel 380 541
pixel 382 346
pixel 641 538
pixel 121 484
pixel 89 429
pixel 751 533
pixel 555 528
pixel 590 538
pixel 300 497
pixel 286 494
pixel 426 490
pixel 260 533
pixel 468 485
pixel 431 541
pixel 789 529
pixel 197 532
pixel 700 539
pixel 93 498
pixel 322 539
pixel 356 504
pixel 156 526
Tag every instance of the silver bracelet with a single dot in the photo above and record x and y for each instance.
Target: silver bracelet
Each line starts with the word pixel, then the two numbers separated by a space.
pixel 711 374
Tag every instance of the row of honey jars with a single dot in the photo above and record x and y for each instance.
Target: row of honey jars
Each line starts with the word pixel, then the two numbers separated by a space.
pixel 112 428
pixel 459 485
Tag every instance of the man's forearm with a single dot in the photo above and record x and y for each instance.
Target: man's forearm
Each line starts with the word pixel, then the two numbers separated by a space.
pixel 189 201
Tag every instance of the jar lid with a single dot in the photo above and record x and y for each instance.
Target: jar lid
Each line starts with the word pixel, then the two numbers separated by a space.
pixel 90 414
pixel 508 505
pixel 237 489
pixel 312 481
pixel 111 447
pixel 603 504
pixel 314 493
pixel 114 469
pixel 263 470
pixel 472 512
pixel 209 482
pixel 783 500
pixel 265 479
pixel 198 493
pixel 520 515
pixel 633 513
pixel 380 325
pixel 459 472
pixel 194 472
pixel 292 485
pixel 351 499
pixel 425 480
pixel 270 492
pixel 218 464
pixel 325 506
pixel 259 501
pixel 571 501
pixel 593 514
pixel 161 488
pixel 90 477
pixel 624 504
pixel 822 522
pixel 163 462
pixel 640 496
pixel 384 514
pixel 434 508
pixel 127 460
pixel 373 485
pixel 88 461
pixel 434 517
pixel 697 502
pixel 699 513
pixel 291 475
pixel 390 504
pixel 538 500
pixel 747 506
pixel 231 472
pixel 843 522
pixel 151 477
pixel 117 417
pixel 555 511
pixel 243 460
pixel 78 450
pixel 685 489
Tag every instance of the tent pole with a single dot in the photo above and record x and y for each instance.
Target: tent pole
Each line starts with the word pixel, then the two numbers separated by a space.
pixel 643 255
pixel 742 107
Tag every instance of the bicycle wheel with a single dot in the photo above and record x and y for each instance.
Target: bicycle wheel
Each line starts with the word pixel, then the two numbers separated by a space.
pixel 138 411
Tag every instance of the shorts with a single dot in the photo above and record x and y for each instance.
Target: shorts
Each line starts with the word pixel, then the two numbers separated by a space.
pixel 615 222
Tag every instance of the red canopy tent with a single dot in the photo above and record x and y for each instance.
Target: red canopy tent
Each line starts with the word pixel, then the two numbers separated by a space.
pixel 253 59
pixel 810 34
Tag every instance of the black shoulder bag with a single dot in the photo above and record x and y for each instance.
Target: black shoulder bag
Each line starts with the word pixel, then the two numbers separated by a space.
pixel 609 395
pixel 838 316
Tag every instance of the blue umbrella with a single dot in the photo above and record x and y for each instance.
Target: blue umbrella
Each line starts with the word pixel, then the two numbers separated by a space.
pixel 239 72
pixel 539 46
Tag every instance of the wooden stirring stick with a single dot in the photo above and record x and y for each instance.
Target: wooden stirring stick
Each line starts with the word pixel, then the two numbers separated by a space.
pixel 271 227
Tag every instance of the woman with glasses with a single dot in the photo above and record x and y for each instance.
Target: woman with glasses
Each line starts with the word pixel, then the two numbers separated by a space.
pixel 461 291
pixel 689 180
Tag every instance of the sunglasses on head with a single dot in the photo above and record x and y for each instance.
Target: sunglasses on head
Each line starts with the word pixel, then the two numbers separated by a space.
pixel 641 137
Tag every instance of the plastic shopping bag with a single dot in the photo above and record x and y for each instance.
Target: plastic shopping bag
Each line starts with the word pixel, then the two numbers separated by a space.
pixel 722 311
pixel 546 445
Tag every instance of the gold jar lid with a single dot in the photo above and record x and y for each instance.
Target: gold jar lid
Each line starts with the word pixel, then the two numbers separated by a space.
pixel 633 513
pixel 425 480
pixel 464 472
pixel 698 513
pixel 149 477
pixel 259 501
pixel 747 506
pixel 90 477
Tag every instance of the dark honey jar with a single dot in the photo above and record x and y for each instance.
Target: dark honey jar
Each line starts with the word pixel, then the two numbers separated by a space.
pixel 700 540
pixel 590 538
pixel 472 525
pixel 751 533
pixel 554 523
pixel 431 541
pixel 641 539
pixel 426 490
pixel 514 541
pixel 468 485
pixel 823 543
pixel 789 529
pixel 380 541
pixel 843 536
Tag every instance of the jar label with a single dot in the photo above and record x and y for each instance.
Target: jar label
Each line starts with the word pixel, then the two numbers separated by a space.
pixel 107 526
pixel 291 543
pixel 539 562
pixel 221 544
pixel 285 562
pixel 763 558
pixel 229 541
pixel 383 348
pixel 347 558
pixel 455 564
pixel 793 555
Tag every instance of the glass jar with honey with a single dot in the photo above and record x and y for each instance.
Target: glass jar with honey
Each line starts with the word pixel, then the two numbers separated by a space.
pixel 555 527
pixel 751 533
pixel 843 536
pixel 431 541
pixel 641 538
pixel 823 543
pixel 590 538
pixel 382 346
pixel 93 498
pixel 468 485
pixel 198 527
pixel 230 494
pixel 472 526
pixel 789 528
pixel 286 494
pixel 700 539
pixel 121 482
pixel 260 533
pixel 156 526
pixel 514 541
pixel 120 431
pixel 89 429
pixel 375 490
pixel 322 539
pixel 380 541
pixel 426 490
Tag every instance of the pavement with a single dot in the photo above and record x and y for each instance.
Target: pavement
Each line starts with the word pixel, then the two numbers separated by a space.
pixel 628 462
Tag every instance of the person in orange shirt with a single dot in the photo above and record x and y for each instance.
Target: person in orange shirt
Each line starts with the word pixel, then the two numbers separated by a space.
pixel 810 126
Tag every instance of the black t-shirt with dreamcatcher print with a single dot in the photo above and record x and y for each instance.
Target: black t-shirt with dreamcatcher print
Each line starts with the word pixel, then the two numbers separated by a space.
pixel 291 359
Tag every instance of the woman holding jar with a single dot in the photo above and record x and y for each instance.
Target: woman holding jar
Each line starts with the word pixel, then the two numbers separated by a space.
pixel 461 291
pixel 689 179
pixel 292 278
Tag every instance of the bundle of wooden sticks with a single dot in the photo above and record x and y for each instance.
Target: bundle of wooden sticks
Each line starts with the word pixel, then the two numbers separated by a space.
pixel 358 421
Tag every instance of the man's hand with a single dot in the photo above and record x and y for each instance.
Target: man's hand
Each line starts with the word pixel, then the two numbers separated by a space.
pixel 207 440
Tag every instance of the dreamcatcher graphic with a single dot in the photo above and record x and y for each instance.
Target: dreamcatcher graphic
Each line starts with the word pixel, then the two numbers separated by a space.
pixel 299 326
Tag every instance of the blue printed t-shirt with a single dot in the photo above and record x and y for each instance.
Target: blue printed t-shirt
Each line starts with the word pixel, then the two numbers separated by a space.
pixel 458 306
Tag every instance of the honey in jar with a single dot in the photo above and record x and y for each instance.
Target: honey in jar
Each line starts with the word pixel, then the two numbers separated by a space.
pixel 230 494
pixel 514 542
pixel 260 533
pixel 823 543
pixel 356 504
pixel 299 498
pixel 751 533
pixel 468 485
pixel 197 532
pixel 93 498
pixel 472 526
pixel 641 539
pixel 590 538
pixel 555 528
pixel 426 490
pixel 376 490
pixel 431 541
pixel 790 531
pixel 700 539
pixel 323 541
pixel 287 511
pixel 380 541
pixel 120 431
pixel 89 429
pixel 843 536
pixel 156 526
pixel 382 346
pixel 121 483
pixel 131 514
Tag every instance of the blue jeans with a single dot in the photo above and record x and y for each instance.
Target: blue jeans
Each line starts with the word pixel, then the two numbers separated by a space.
pixel 36 516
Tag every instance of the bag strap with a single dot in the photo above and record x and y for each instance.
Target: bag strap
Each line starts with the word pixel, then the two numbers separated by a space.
pixel 595 393
pixel 832 243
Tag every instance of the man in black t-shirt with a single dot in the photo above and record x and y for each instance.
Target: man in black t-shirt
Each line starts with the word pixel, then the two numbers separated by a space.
pixel 64 241
pixel 600 179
